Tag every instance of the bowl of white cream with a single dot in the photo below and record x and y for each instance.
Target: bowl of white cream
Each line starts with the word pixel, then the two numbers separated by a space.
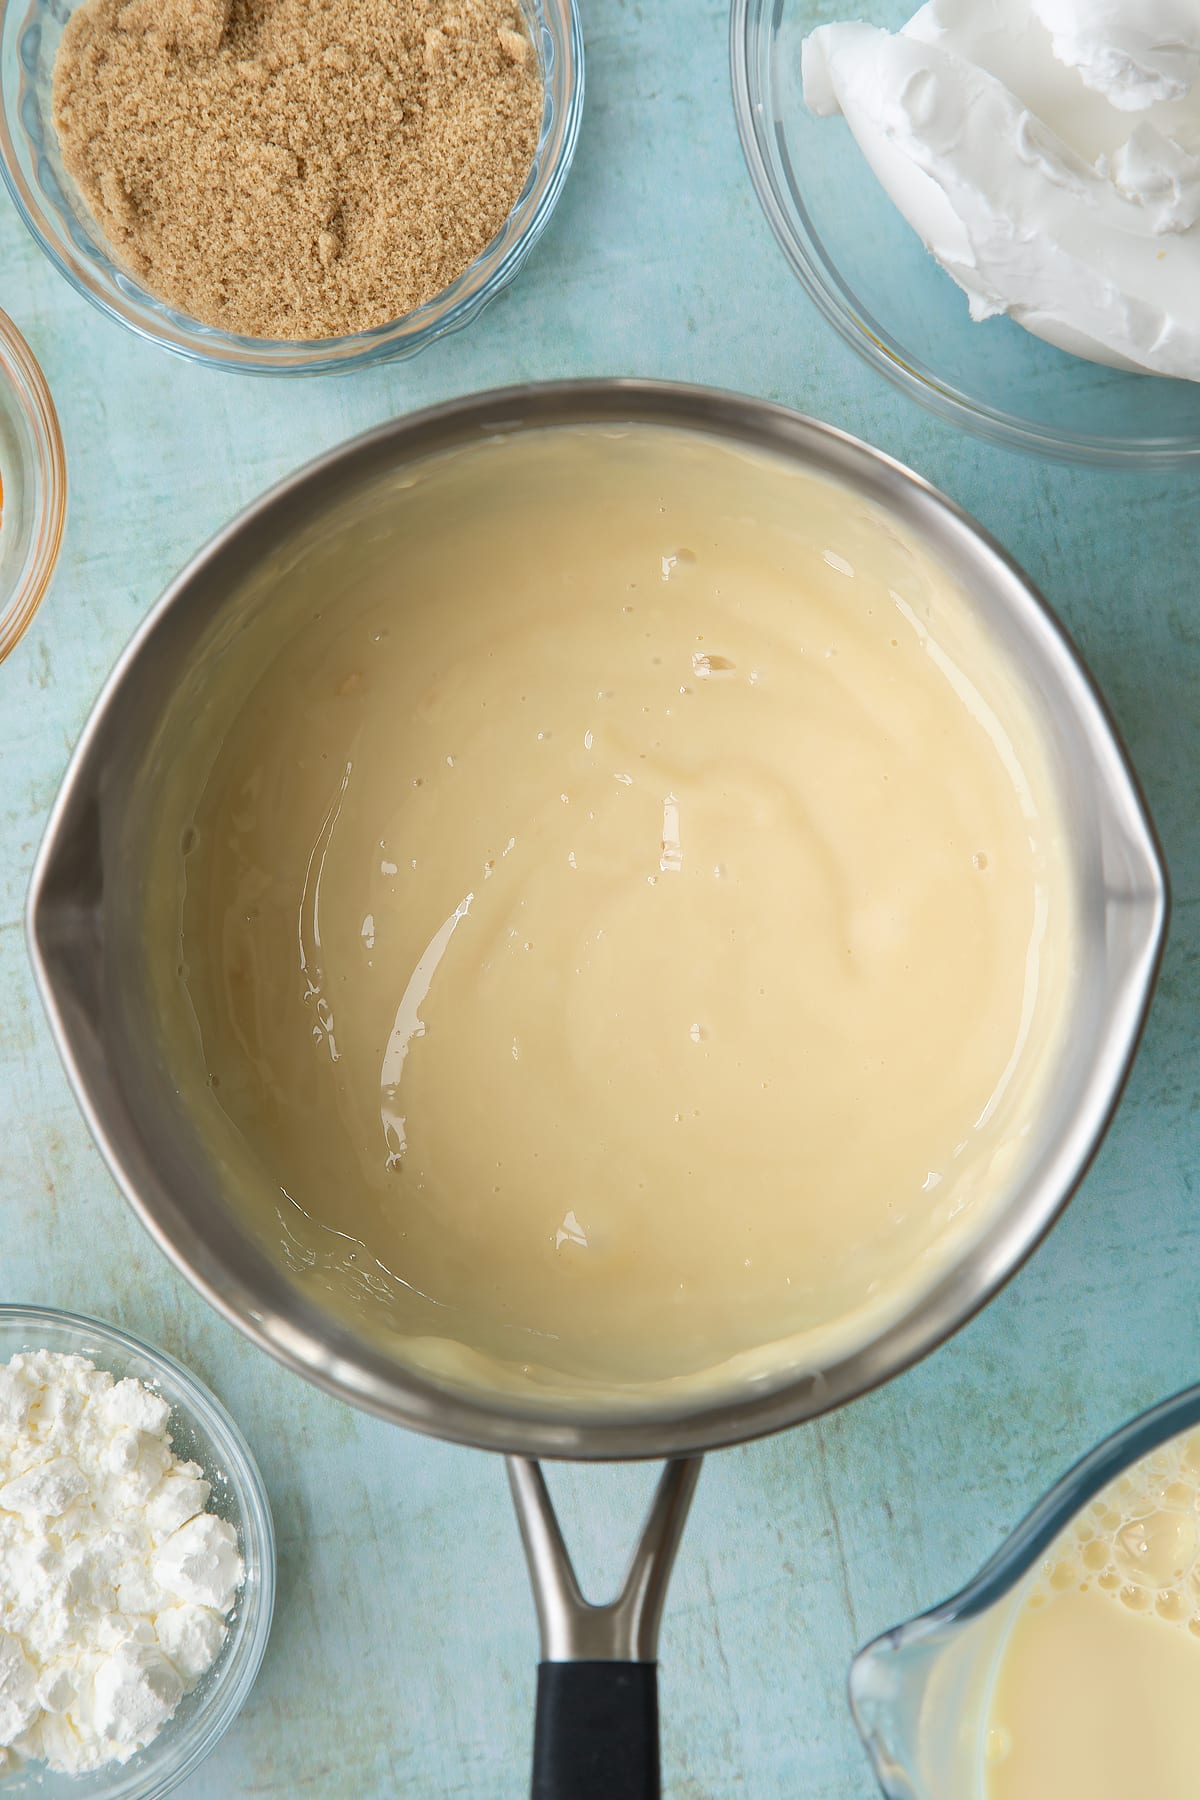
pixel 996 207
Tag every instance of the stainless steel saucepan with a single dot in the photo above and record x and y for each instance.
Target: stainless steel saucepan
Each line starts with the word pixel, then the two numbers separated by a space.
pixel 597 1716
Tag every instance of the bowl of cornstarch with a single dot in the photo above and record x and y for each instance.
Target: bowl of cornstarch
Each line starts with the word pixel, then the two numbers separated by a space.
pixel 289 186
pixel 137 1563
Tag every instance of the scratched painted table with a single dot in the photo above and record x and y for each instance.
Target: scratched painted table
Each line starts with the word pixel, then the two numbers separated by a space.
pixel 404 1646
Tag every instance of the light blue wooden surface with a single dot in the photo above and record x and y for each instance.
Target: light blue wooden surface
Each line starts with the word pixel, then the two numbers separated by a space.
pixel 404 1647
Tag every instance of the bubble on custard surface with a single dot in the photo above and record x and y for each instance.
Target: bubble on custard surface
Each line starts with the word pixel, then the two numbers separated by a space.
pixel 1172 1606
pixel 1137 1599
pixel 708 667
pixel 1160 1548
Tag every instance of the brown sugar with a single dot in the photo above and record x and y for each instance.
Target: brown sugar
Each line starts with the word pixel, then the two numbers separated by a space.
pixel 297 168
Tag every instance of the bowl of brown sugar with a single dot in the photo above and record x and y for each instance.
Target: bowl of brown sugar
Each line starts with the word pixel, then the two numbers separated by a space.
pixel 289 186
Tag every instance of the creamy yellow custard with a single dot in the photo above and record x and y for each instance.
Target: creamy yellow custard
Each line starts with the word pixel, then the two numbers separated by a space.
pixel 627 920
pixel 1098 1689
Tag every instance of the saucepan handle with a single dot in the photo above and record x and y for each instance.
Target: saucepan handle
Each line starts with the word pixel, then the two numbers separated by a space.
pixel 596 1732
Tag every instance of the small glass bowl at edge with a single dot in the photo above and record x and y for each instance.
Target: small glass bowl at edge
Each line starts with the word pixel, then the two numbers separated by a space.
pixel 33 485
pixel 202 1430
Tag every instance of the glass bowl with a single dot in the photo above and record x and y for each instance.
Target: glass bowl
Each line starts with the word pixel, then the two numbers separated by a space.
pixel 921 1693
pixel 871 276
pixel 47 200
pixel 33 485
pixel 202 1430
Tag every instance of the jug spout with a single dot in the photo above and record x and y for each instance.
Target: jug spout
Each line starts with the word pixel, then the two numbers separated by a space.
pixel 919 1695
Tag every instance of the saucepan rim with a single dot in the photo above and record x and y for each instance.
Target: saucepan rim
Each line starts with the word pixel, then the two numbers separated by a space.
pixel 273 1313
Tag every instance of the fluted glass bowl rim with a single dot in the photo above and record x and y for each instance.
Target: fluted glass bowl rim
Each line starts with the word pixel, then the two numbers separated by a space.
pixel 25 390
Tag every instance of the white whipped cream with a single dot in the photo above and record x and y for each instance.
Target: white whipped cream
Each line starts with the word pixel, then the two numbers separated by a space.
pixel 1134 52
pixel 1048 154
pixel 115 1583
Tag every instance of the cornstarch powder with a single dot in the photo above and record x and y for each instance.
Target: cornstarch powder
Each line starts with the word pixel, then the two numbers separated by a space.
pixel 115 1582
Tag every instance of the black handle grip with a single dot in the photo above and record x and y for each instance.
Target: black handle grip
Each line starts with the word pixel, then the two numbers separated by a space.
pixel 596 1735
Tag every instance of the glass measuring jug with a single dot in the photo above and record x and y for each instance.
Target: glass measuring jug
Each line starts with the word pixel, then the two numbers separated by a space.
pixel 923 1693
